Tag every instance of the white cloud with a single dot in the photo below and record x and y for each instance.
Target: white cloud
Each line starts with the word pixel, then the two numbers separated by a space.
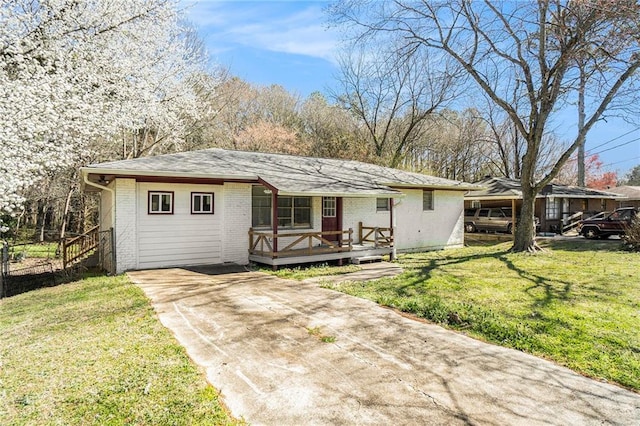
pixel 287 27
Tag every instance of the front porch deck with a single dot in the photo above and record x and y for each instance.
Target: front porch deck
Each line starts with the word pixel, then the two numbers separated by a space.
pixel 303 256
pixel 309 247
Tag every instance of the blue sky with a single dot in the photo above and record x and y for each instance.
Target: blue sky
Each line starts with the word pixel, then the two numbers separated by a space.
pixel 270 42
pixel 288 43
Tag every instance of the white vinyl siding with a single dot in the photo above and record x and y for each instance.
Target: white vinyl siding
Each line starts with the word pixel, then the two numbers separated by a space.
pixel 182 238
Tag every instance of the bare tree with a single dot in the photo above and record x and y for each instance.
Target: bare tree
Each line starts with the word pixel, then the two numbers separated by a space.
pixel 330 131
pixel 392 93
pixel 499 44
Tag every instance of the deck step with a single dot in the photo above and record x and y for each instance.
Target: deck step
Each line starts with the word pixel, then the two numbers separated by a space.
pixel 365 259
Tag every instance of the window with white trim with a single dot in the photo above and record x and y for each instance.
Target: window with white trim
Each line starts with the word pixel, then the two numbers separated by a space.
pixel 427 199
pixel 201 203
pixel 293 212
pixel 160 202
pixel 328 206
pixel 383 205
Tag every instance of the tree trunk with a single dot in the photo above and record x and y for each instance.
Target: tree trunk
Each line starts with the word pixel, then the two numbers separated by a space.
pixel 525 237
pixel 581 119
pixel 65 214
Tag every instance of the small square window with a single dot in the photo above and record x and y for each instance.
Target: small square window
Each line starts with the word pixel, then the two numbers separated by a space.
pixel 201 203
pixel 160 202
pixel 427 199
pixel 382 205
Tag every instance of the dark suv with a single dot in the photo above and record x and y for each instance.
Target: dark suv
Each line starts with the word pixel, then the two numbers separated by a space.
pixel 613 224
pixel 497 219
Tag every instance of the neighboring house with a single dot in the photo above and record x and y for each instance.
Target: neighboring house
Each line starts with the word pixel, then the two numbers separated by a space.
pixel 631 192
pixel 559 207
pixel 216 206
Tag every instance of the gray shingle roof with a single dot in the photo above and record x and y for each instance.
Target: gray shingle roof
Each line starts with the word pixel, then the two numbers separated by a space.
pixel 291 175
pixel 505 188
pixel 631 192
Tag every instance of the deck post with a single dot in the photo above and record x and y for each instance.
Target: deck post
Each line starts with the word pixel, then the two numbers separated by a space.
pixel 250 240
pixel 351 238
pixel 359 232
pixel 392 224
pixel 513 218
pixel 64 253
pixel 274 220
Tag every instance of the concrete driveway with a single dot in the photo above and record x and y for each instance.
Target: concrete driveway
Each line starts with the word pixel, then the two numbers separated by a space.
pixel 290 353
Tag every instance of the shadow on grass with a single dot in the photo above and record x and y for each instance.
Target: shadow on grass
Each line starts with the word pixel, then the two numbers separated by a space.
pixel 580 244
pixel 549 287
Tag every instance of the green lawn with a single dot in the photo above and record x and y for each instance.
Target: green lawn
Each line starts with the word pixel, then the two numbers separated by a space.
pixel 93 352
pixel 576 304
pixel 34 250
pixel 305 271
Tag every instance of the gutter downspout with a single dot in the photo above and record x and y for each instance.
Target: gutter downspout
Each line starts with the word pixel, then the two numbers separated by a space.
pixel 394 250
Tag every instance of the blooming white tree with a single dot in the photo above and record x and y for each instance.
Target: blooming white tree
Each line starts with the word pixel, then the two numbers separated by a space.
pixel 75 72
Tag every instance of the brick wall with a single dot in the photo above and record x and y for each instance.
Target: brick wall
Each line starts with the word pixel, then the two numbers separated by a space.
pixel 236 222
pixel 125 225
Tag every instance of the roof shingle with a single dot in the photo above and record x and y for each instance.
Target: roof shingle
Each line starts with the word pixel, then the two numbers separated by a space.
pixel 291 175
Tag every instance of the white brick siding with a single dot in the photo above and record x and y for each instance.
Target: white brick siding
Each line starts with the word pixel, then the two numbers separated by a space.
pixel 236 222
pixel 146 241
pixel 439 228
pixel 363 210
pixel 125 225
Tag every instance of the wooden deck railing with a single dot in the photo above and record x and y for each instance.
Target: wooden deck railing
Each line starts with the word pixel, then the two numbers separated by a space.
pixel 572 222
pixel 74 249
pixel 379 236
pixel 304 243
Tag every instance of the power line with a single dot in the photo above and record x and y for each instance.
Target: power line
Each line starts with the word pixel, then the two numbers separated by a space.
pixel 623 161
pixel 614 139
pixel 614 147
pixel 590 154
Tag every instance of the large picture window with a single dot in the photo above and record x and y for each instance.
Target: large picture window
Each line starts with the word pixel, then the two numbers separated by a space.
pixel 201 203
pixel 427 199
pixel 553 208
pixel 293 212
pixel 160 202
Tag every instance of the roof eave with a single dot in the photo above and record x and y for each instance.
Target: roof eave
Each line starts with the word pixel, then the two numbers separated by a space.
pixel 167 174
pixel 469 187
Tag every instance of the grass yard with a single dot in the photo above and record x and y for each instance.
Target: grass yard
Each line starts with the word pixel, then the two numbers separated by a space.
pixel 309 271
pixel 577 304
pixel 93 352
pixel 34 250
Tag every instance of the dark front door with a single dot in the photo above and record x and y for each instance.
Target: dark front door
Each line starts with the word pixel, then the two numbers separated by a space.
pixel 331 216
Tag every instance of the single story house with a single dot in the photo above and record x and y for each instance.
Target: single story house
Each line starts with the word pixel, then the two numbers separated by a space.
pixel 216 206
pixel 559 207
pixel 632 194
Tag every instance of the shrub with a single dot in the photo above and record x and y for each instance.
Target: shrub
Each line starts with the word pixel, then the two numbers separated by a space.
pixel 631 237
